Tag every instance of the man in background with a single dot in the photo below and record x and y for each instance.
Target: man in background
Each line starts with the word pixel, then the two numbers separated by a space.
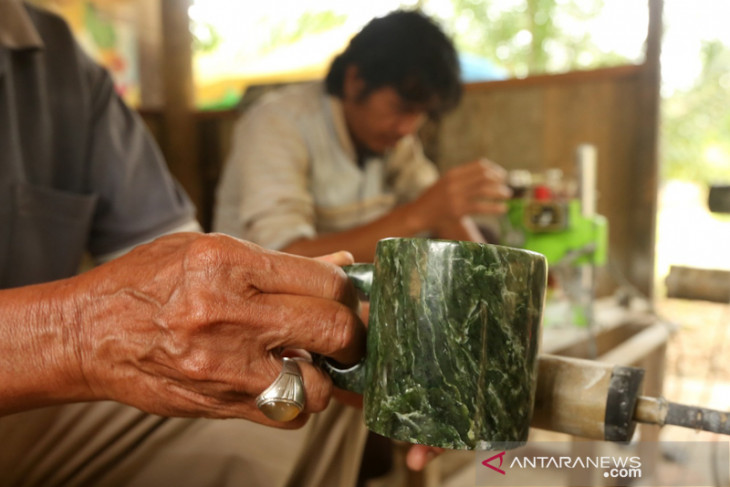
pixel 338 164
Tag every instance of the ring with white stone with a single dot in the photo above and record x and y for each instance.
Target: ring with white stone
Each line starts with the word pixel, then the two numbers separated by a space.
pixel 284 399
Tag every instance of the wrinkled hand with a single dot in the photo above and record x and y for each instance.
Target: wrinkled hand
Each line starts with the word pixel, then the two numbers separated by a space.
pixel 477 187
pixel 193 325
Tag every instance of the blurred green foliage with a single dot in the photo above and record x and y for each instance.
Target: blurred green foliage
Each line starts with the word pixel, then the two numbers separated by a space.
pixel 281 30
pixel 530 37
pixel 695 131
pixel 283 33
pixel 205 37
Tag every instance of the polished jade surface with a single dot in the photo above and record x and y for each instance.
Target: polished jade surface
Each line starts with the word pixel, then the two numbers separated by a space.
pixel 453 341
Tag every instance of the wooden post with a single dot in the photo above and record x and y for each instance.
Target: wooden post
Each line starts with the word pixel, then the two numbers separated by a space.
pixel 179 138
pixel 642 225
pixel 696 283
pixel 149 44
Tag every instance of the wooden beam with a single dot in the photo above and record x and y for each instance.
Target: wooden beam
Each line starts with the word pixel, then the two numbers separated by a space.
pixel 179 138
pixel 642 221
pixel 695 283
pixel 601 75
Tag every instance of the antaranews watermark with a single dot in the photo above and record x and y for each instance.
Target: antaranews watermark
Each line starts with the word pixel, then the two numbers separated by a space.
pixel 603 463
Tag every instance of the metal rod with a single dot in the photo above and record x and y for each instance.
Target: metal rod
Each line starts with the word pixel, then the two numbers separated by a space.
pixel 660 411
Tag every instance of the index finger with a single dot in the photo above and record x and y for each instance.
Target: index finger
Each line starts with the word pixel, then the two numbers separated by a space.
pixel 479 169
pixel 274 272
pixel 493 168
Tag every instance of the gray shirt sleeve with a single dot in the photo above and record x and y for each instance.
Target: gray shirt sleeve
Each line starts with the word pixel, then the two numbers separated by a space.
pixel 138 198
pixel 80 172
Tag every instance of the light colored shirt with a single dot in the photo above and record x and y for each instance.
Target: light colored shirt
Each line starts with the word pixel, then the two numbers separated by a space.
pixel 293 173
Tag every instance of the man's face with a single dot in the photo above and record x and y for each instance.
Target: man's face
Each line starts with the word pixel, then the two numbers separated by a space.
pixel 378 121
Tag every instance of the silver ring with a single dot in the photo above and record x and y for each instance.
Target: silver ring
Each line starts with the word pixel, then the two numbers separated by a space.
pixel 283 400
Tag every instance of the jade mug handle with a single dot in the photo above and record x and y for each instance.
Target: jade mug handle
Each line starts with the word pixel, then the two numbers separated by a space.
pixel 351 378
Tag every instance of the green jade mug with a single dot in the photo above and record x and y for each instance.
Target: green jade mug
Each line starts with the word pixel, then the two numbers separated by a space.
pixel 452 345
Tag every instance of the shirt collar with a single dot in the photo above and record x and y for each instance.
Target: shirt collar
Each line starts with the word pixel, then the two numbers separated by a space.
pixel 16 28
pixel 337 115
pixel 337 112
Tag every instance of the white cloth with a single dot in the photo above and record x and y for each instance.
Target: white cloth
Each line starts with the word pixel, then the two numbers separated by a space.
pixel 293 173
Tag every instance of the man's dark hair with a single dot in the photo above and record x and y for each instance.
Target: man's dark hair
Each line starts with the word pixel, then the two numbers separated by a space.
pixel 407 51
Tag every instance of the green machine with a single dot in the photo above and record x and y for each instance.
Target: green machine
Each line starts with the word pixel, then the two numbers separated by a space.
pixel 546 215
pixel 558 230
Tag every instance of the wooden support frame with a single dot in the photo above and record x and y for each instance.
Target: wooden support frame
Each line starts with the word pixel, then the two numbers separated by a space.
pixel 179 137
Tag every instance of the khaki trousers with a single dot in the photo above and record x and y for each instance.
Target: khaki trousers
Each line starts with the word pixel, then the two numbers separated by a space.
pixel 109 444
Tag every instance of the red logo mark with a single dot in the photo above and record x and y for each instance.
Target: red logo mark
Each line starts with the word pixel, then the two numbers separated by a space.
pixel 501 459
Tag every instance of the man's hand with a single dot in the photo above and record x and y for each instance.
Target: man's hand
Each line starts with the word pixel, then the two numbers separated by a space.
pixel 477 187
pixel 193 325
pixel 418 456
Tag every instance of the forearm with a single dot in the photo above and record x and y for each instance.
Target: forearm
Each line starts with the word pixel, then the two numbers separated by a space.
pixel 38 360
pixel 404 221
